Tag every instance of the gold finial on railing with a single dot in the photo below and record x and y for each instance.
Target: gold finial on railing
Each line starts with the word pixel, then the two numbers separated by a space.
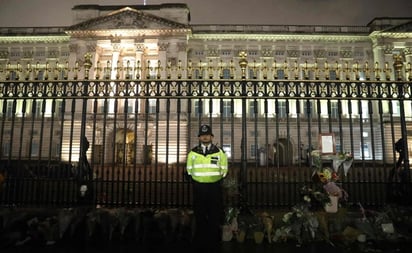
pixel 366 70
pixel 87 64
pixel 398 66
pixel 221 68
pixel 118 68
pixel 337 70
pixel 346 70
pixel 158 69
pixel 138 69
pixel 275 70
pixel 296 70
pixel 210 69
pixel 76 70
pixel 148 69
pixel 8 70
pixel 47 69
pixel 201 69
pixel 97 70
pixel 264 70
pixel 377 71
pixel 316 70
pixel 66 71
pixel 356 70
pixel 305 70
pixel 29 69
pixel 254 69
pixel 189 69
pixel 232 69
pixel 285 69
pixel 326 70
pixel 408 70
pixel 37 70
pixel 387 71
pixel 56 71
pixel 169 69
pixel 107 70
pixel 128 69
pixel 243 63
pixel 179 69
pixel 19 70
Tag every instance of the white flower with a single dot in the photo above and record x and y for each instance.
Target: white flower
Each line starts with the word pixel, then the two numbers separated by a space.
pixel 315 153
pixel 287 216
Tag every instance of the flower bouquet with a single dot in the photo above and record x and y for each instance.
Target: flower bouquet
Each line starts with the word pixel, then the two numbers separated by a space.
pixel 345 160
pixel 328 180
pixel 299 224
pixel 346 156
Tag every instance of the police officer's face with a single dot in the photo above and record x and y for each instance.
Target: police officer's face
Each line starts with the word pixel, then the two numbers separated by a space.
pixel 205 138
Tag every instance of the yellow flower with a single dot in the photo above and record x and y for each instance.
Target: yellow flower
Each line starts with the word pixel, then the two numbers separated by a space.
pixel 325 175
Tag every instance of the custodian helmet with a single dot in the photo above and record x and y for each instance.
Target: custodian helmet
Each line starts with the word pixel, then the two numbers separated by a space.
pixel 204 130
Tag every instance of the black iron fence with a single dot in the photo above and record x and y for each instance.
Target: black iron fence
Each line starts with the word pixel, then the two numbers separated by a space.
pixel 124 142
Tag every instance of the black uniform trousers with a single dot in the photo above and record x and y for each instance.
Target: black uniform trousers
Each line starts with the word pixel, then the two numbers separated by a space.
pixel 209 214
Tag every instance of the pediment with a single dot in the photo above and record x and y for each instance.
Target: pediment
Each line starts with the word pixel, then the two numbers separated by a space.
pixel 127 18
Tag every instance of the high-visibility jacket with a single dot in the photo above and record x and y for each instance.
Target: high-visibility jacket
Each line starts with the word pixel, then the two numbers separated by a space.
pixel 207 168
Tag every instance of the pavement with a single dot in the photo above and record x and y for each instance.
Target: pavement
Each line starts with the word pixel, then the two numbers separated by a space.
pixel 248 246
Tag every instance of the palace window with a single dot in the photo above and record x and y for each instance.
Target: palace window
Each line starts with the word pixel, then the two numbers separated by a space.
pixel 253 150
pixel 281 108
pixel 9 111
pixel 198 108
pixel 226 73
pixel 58 109
pixel 38 108
pixel 227 105
pixel 308 106
pixel 40 75
pixel 332 75
pixel 152 105
pixel 365 151
pixel 253 110
pixel 34 149
pixel 5 149
pixel 334 113
pixel 280 74
pixel 395 108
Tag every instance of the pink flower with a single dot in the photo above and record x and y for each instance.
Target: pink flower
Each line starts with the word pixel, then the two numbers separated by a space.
pixel 332 189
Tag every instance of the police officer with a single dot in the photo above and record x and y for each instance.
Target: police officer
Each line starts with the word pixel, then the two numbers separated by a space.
pixel 207 165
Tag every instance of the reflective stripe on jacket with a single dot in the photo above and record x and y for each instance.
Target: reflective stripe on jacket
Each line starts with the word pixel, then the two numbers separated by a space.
pixel 207 168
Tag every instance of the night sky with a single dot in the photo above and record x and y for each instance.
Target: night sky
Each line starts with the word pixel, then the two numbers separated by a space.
pixel 14 13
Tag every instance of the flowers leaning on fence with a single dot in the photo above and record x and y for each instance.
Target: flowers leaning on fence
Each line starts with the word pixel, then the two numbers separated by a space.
pixel 326 182
pixel 330 179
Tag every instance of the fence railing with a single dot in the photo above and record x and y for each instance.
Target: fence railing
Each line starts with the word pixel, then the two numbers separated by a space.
pixel 124 142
